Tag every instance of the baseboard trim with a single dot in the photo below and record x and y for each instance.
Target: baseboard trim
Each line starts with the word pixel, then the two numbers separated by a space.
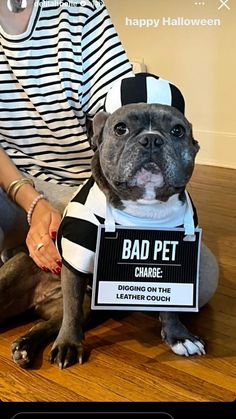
pixel 216 148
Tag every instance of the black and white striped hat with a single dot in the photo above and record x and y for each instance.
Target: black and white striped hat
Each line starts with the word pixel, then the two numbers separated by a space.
pixel 143 87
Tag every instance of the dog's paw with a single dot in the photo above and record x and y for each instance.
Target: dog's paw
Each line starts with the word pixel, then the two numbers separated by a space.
pixel 188 347
pixel 184 343
pixel 66 354
pixel 22 352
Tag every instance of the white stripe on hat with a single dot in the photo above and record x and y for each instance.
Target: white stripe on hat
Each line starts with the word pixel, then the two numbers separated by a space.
pixel 113 99
pixel 158 91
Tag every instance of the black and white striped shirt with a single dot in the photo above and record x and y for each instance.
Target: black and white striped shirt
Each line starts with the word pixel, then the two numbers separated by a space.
pixel 51 77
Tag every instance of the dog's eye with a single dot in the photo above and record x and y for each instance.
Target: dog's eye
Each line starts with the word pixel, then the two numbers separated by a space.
pixel 178 131
pixel 121 128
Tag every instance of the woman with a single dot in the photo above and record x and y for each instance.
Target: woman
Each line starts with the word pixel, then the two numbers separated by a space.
pixel 58 59
pixel 43 218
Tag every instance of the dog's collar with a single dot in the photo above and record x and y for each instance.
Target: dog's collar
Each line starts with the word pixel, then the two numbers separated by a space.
pixel 188 224
pixel 110 224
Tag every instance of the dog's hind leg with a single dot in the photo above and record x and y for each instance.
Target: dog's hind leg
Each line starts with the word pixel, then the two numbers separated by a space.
pixel 24 286
pixel 19 277
pixel 24 349
pixel 50 308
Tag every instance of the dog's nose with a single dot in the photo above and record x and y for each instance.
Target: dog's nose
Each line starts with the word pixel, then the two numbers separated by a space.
pixel 151 141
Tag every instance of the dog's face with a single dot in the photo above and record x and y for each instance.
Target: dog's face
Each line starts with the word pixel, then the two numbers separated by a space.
pixel 143 152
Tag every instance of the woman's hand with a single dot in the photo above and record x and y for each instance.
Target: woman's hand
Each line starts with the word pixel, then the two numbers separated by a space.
pixel 40 240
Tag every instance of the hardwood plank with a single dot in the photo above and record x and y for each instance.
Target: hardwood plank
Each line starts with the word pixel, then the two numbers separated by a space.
pixel 127 359
pixel 25 385
pixel 166 369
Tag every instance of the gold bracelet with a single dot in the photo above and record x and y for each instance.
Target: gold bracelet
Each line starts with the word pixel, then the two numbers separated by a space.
pixel 11 185
pixel 16 185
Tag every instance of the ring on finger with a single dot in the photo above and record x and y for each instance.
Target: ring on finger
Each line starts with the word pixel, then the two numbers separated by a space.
pixel 39 246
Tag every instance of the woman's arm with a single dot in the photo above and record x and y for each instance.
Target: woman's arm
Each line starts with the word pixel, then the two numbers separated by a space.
pixel 45 219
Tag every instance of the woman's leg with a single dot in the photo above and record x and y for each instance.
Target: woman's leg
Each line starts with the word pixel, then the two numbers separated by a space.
pixel 13 224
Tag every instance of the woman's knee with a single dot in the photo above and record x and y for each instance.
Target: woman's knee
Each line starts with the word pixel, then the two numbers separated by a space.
pixel 13 223
pixel 208 274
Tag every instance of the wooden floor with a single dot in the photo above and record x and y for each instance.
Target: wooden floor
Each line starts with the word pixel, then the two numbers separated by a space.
pixel 127 359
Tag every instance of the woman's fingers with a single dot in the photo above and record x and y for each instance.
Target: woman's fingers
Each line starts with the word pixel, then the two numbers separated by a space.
pixel 41 237
pixel 54 225
pixel 44 253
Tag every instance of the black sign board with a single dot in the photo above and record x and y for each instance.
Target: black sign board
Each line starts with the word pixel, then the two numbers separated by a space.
pixel 146 269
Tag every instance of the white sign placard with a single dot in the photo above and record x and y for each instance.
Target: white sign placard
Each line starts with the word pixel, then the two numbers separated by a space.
pixel 148 270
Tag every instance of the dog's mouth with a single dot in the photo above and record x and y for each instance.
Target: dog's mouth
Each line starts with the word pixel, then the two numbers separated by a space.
pixel 148 174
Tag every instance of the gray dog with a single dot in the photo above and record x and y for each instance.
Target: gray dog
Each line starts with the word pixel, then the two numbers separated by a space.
pixel 143 161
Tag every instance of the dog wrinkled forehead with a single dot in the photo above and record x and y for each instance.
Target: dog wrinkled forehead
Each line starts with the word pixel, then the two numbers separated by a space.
pixel 145 88
pixel 145 116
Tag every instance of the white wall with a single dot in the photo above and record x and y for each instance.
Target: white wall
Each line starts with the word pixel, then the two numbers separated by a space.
pixel 200 60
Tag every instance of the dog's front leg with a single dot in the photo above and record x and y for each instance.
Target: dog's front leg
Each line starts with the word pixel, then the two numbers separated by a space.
pixel 177 336
pixel 68 347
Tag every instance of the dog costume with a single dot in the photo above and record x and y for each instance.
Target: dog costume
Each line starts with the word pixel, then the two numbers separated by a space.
pixel 88 208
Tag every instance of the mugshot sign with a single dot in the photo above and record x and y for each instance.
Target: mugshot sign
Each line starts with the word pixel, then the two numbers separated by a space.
pixel 137 269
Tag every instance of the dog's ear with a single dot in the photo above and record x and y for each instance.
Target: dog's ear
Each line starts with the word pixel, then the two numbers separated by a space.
pixel 194 142
pixel 196 145
pixel 98 125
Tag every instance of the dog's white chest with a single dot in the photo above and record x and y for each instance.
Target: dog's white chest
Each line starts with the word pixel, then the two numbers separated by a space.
pixel 164 214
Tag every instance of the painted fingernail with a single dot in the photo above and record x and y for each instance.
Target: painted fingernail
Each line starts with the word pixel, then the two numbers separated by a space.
pixel 53 234
pixel 56 271
pixel 45 269
pixel 59 262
